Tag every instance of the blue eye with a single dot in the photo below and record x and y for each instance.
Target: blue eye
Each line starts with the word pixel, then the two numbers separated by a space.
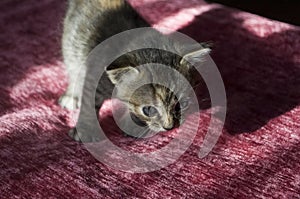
pixel 184 104
pixel 181 105
pixel 150 111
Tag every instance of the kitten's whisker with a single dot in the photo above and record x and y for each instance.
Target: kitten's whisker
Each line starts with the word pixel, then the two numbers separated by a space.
pixel 197 85
pixel 205 99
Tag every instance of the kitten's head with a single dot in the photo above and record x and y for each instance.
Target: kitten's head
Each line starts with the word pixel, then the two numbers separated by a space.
pixel 155 105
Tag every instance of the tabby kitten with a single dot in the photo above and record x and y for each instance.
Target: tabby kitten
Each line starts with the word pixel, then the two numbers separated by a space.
pixel 88 23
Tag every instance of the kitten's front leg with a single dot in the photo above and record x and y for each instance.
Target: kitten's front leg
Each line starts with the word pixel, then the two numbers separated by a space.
pixel 87 126
pixel 69 102
pixel 71 99
pixel 86 132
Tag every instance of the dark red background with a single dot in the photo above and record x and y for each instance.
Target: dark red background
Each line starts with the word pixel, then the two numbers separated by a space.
pixel 257 156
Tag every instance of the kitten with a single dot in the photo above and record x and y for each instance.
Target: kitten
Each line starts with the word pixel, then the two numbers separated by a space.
pixel 87 24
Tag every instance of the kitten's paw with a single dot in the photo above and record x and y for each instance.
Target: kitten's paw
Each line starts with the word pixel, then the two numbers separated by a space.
pixel 69 102
pixel 83 138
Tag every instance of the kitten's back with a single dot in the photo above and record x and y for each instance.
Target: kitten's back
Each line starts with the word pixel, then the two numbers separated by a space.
pixel 89 22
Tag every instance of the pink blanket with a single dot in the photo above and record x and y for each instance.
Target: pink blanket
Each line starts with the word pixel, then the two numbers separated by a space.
pixel 257 156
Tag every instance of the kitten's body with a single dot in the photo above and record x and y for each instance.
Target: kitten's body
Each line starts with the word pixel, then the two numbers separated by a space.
pixel 88 23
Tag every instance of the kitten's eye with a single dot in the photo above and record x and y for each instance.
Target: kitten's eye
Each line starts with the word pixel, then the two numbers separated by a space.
pixel 181 105
pixel 184 104
pixel 150 111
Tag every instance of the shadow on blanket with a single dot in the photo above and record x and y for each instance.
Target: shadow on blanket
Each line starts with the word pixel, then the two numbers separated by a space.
pixel 261 74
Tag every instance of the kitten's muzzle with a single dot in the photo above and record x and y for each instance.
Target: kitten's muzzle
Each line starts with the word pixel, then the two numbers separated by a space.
pixel 171 126
pixel 168 128
pixel 137 120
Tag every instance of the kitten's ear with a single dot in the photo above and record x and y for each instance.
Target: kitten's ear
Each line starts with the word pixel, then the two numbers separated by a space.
pixel 195 56
pixel 116 75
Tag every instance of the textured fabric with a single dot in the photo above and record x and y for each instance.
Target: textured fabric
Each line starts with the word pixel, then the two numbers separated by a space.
pixel 257 156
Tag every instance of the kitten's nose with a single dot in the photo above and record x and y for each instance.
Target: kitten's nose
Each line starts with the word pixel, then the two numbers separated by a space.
pixel 173 124
pixel 170 127
pixel 169 123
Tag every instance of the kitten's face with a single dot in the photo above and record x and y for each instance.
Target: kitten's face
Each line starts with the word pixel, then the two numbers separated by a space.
pixel 157 107
pixel 154 105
